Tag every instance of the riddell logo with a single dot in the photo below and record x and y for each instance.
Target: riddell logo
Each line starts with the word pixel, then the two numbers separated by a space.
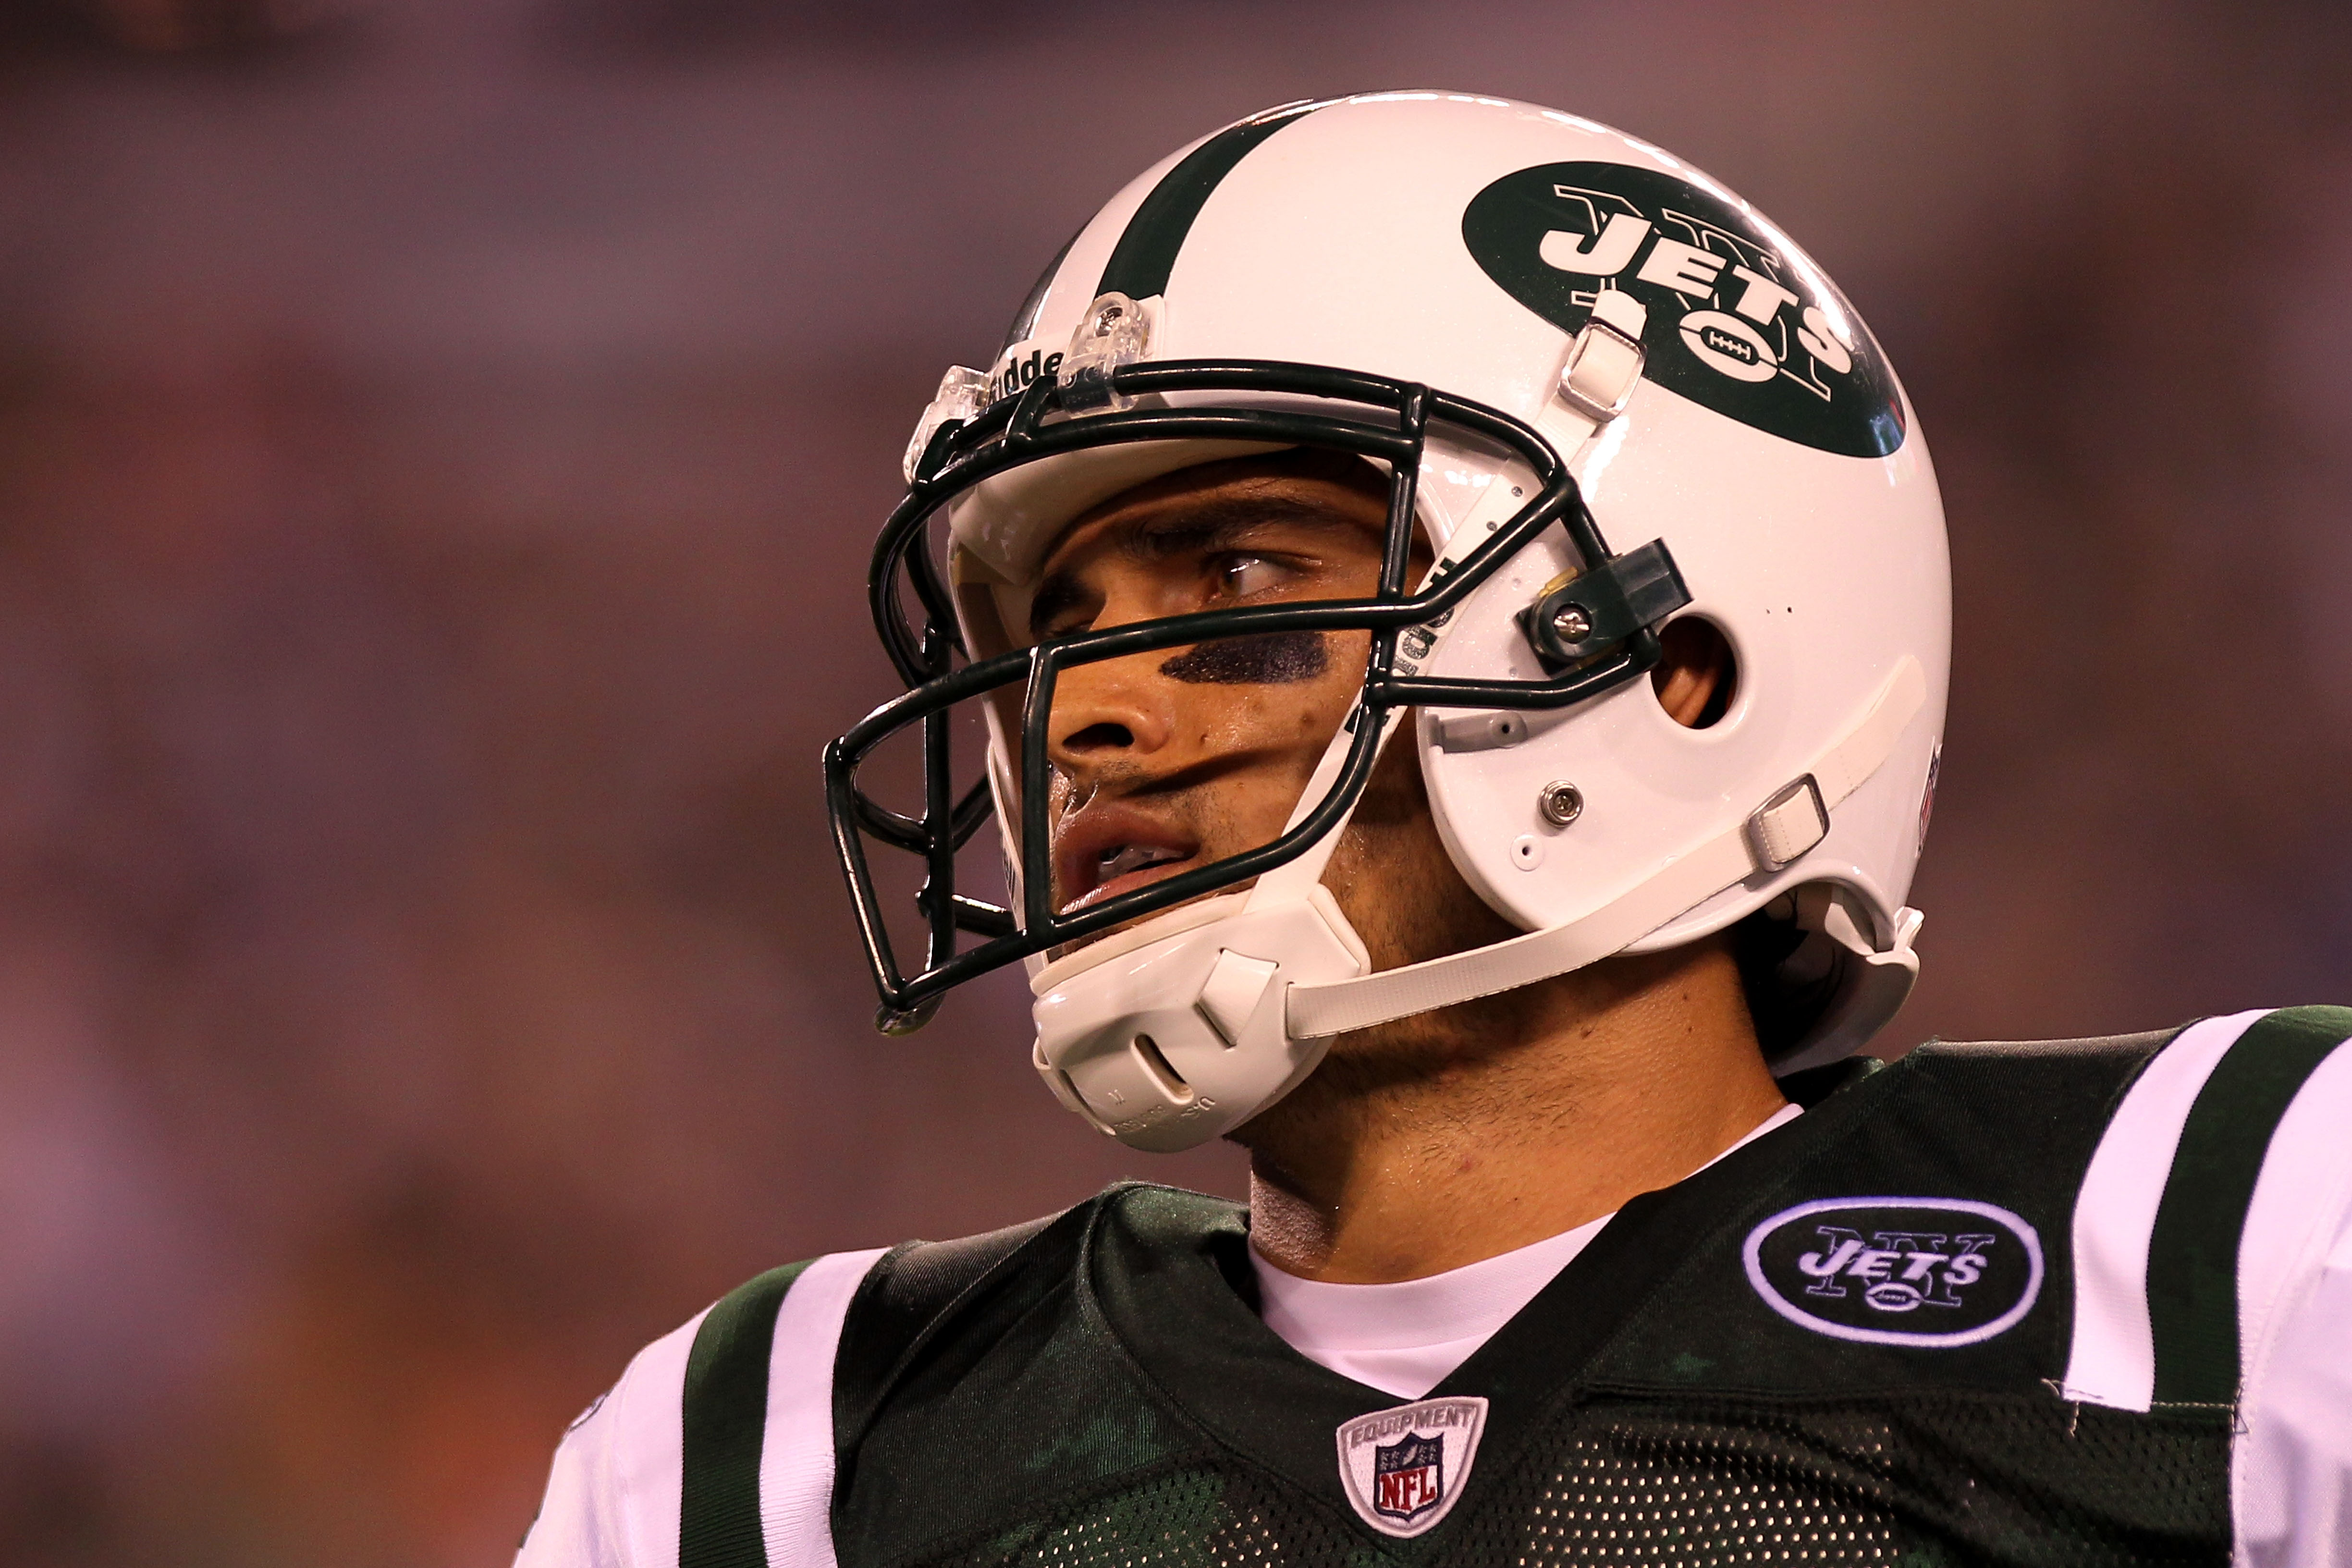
pixel 1738 322
pixel 1925 1272
pixel 1017 372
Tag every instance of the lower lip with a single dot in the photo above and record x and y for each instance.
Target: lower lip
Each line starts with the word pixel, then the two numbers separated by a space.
pixel 1127 882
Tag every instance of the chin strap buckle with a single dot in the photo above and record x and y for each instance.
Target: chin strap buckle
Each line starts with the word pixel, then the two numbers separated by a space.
pixel 1782 830
pixel 1604 364
pixel 1232 990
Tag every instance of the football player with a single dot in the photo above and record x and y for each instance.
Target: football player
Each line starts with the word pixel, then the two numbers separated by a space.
pixel 1454 611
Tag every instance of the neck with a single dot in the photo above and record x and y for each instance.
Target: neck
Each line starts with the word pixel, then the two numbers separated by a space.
pixel 1456 1136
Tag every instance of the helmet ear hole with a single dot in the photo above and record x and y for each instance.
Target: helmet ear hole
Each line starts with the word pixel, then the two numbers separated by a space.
pixel 1697 675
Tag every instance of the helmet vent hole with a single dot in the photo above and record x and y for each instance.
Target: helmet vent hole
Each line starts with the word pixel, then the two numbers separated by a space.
pixel 1155 1061
pixel 1696 676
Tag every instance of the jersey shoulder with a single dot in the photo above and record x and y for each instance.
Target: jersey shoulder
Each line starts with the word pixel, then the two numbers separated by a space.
pixel 2219 1081
pixel 724 1434
pixel 717 1437
pixel 2218 1182
pixel 2212 1094
pixel 611 1496
pixel 929 1307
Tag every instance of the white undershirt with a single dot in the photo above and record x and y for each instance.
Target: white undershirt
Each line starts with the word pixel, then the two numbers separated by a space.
pixel 1405 1338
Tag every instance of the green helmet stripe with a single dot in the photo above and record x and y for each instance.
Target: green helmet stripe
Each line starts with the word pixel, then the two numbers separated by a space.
pixel 1146 252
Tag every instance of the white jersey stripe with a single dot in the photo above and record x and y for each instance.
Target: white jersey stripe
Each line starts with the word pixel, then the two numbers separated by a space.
pixel 2113 1358
pixel 612 1495
pixel 2292 1465
pixel 612 1498
pixel 796 1454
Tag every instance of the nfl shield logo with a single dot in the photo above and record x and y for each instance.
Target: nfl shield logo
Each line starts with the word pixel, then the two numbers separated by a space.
pixel 1408 1476
pixel 1405 1468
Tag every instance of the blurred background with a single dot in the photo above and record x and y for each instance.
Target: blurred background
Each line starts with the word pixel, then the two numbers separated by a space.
pixel 439 444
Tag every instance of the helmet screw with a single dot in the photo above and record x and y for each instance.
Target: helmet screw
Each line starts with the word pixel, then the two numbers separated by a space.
pixel 1571 623
pixel 1561 803
pixel 892 1020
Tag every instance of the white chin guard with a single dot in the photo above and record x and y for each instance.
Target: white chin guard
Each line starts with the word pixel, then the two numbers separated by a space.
pixel 1176 1033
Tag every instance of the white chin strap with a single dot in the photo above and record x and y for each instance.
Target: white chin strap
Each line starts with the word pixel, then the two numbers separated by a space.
pixel 1770 837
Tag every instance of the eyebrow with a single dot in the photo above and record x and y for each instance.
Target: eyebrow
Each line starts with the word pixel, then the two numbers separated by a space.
pixel 1201 527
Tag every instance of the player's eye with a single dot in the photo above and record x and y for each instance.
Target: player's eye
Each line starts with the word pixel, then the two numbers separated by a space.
pixel 1238 576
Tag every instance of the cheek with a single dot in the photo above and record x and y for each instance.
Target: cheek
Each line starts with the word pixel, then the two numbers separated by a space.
pixel 1286 694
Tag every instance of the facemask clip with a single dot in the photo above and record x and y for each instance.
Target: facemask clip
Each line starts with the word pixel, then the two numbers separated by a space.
pixel 963 392
pixel 1114 333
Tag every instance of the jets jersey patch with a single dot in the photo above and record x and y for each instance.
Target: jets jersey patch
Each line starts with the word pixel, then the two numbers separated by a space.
pixel 1925 1272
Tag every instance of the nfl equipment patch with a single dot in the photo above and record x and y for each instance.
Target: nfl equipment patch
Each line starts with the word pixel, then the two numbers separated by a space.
pixel 1403 1468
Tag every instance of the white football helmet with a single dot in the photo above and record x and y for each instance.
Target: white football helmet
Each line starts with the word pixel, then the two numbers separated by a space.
pixel 1549 336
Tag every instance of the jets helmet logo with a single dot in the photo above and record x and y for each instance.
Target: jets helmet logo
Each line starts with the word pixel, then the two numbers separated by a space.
pixel 1402 1469
pixel 1925 1272
pixel 1739 321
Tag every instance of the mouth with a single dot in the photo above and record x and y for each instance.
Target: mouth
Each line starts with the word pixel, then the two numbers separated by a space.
pixel 1108 850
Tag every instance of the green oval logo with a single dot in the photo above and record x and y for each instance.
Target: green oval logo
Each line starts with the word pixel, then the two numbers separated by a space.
pixel 1737 323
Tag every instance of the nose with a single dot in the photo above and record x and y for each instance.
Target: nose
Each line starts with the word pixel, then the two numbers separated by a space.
pixel 1114 711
